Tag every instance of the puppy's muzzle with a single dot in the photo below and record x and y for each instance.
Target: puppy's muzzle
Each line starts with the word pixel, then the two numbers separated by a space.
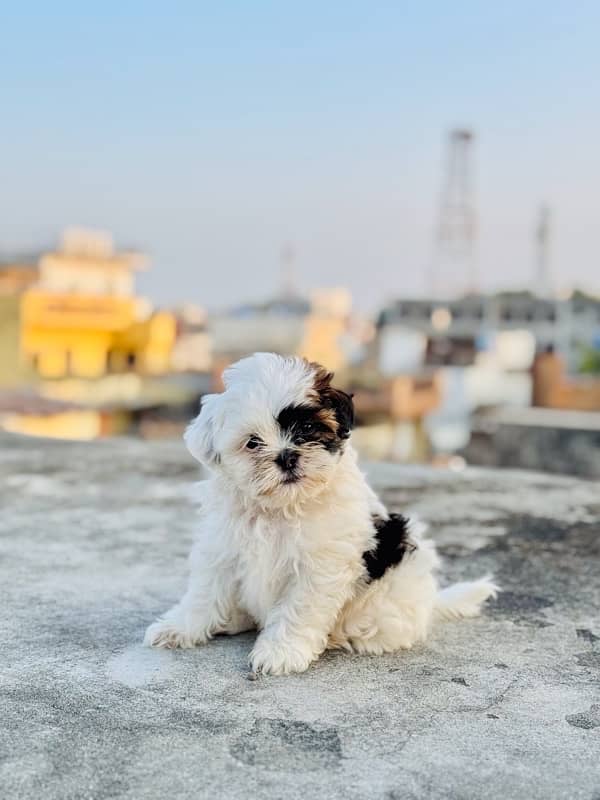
pixel 287 460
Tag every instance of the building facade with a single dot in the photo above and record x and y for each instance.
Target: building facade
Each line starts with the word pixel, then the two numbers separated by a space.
pixel 456 329
pixel 81 317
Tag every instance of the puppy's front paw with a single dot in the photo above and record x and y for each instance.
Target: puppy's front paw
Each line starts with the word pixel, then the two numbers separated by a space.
pixel 277 657
pixel 169 634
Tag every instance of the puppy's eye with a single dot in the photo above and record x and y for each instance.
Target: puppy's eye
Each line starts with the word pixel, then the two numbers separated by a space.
pixel 253 442
pixel 307 428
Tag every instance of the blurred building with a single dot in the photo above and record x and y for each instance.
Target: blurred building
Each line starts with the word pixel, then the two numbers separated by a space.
pixel 495 355
pixel 553 388
pixel 326 328
pixel 457 329
pixel 82 318
pixel 315 328
pixel 192 351
pixel 17 273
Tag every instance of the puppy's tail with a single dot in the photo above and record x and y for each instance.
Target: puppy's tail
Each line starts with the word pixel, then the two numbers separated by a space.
pixel 464 599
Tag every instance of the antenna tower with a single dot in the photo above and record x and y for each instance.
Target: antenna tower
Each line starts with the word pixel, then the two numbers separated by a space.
pixel 454 269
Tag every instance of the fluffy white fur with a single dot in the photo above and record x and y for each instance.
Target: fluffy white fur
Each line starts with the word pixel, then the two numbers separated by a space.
pixel 286 557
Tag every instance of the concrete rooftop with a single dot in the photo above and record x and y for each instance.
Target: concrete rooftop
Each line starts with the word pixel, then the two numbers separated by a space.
pixel 93 542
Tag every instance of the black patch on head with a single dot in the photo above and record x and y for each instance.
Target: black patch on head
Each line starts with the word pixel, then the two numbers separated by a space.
pixel 392 542
pixel 327 417
pixel 292 418
pixel 304 423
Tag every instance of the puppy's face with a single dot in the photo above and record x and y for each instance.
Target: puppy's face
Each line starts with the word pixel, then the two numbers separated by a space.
pixel 278 430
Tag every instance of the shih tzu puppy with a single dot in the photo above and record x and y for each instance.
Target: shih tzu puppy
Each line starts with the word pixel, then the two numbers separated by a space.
pixel 292 541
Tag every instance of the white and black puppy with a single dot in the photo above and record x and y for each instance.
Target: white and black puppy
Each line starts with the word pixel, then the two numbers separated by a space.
pixel 292 541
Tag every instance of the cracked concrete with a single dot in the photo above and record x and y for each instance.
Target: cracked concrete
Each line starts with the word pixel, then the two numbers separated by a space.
pixel 93 542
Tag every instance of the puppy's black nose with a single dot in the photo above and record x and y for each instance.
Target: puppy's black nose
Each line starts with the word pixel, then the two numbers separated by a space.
pixel 287 460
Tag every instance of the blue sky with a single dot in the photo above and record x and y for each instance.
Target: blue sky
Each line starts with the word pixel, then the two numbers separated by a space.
pixel 211 134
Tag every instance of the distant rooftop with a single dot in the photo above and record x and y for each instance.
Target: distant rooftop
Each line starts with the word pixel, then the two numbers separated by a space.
pixel 296 306
pixel 81 245
pixel 19 258
pixel 509 306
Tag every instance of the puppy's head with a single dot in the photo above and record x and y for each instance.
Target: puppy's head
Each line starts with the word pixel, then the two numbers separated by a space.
pixel 278 430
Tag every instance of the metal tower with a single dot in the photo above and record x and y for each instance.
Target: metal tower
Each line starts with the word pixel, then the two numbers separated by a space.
pixel 454 269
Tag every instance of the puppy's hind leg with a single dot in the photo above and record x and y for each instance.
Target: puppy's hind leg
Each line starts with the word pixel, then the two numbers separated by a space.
pixel 394 612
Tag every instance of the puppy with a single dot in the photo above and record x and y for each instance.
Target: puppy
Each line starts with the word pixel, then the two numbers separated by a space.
pixel 292 541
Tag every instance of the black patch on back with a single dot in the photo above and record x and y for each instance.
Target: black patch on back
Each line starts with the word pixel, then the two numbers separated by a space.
pixel 392 542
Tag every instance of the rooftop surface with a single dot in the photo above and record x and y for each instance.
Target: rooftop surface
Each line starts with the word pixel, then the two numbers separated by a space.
pixel 94 539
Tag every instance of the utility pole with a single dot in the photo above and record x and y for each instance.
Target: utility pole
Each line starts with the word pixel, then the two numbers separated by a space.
pixel 542 254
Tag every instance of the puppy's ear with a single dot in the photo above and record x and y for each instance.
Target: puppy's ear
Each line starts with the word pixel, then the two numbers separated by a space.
pixel 340 402
pixel 343 407
pixel 200 433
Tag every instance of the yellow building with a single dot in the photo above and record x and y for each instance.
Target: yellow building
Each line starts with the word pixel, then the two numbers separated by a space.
pixel 82 318
pixel 325 327
pixel 15 278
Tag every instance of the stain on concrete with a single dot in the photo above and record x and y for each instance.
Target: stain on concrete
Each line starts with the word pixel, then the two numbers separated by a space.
pixel 195 720
pixel 587 635
pixel 138 666
pixel 283 745
pixel 530 535
pixel 541 530
pixel 427 672
pixel 589 659
pixel 586 719
pixel 520 606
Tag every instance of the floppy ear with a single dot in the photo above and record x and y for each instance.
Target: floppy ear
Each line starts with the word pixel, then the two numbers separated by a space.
pixel 199 434
pixel 340 402
pixel 344 410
